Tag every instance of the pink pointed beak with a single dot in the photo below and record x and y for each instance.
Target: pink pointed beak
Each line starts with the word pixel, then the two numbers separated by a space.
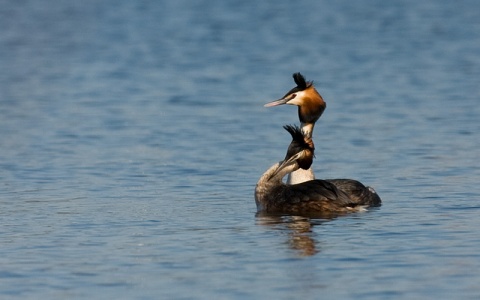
pixel 280 101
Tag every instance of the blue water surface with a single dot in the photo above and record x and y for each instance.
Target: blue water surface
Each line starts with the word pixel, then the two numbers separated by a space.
pixel 133 134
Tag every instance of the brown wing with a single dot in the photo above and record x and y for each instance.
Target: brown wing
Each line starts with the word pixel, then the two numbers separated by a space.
pixel 318 191
pixel 357 192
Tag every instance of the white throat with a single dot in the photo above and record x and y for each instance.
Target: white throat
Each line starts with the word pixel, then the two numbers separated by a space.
pixel 300 176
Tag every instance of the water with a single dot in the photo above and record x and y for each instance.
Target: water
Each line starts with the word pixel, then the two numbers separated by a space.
pixel 133 133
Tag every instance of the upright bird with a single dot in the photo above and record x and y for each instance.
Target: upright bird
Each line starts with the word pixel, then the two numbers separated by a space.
pixel 310 107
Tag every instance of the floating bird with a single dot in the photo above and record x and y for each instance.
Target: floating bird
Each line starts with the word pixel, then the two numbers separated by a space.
pixel 310 107
pixel 313 197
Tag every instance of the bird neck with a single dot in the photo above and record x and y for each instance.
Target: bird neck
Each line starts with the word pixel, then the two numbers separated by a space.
pixel 307 129
pixel 268 181
pixel 267 177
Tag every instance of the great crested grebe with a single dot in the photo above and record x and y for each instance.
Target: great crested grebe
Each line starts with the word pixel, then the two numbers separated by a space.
pixel 310 107
pixel 313 197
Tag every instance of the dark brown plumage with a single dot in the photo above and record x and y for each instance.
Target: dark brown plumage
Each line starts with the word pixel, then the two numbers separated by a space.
pixel 356 191
pixel 314 197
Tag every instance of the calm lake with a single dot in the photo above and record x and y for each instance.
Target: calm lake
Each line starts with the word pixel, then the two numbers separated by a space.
pixel 132 134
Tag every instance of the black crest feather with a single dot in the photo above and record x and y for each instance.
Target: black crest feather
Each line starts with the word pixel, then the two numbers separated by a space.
pixel 302 84
pixel 300 81
pixel 298 138
pixel 296 133
pixel 298 144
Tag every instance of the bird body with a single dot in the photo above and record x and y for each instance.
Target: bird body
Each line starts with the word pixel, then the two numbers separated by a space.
pixel 310 108
pixel 312 196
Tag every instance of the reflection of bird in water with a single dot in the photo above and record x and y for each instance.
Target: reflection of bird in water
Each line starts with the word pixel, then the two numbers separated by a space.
pixel 313 197
pixel 300 237
pixel 310 107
